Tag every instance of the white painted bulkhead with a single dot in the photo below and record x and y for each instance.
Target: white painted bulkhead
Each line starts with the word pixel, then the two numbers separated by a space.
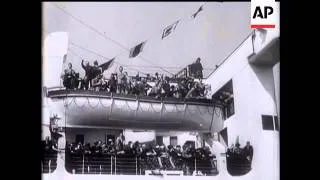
pixel 254 95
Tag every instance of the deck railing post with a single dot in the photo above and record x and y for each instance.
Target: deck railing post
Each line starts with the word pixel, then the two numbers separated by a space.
pixel 136 166
pixel 111 165
pixel 195 164
pixel 82 163
pixel 49 164
pixel 140 164
pixel 115 165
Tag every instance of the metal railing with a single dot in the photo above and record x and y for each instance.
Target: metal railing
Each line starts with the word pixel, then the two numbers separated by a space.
pixel 125 165
pixel 49 162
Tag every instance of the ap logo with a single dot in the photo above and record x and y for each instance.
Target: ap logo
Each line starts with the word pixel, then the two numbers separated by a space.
pixel 263 13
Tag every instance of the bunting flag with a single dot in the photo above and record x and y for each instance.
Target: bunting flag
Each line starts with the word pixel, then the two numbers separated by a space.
pixel 196 13
pixel 107 65
pixel 135 51
pixel 169 29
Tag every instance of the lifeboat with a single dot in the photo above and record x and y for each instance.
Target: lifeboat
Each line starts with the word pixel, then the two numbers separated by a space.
pixel 89 108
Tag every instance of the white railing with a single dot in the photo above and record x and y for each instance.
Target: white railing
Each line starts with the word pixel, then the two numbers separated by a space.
pixel 135 166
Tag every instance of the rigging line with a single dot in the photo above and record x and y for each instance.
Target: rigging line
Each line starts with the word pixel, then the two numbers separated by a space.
pixel 225 59
pixel 90 27
pixel 161 30
pixel 83 48
pixel 83 58
pixel 103 35
pixel 137 70
pixel 91 105
pixel 114 62
pixel 88 50
pixel 141 57
pixel 72 52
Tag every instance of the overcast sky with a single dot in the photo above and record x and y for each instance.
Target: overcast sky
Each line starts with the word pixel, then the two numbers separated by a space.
pixel 212 35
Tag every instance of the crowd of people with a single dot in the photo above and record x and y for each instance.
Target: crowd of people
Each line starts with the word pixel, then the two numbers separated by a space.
pixel 245 153
pixel 49 146
pixel 151 156
pixel 156 86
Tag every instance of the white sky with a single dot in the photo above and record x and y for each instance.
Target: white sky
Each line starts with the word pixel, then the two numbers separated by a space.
pixel 212 35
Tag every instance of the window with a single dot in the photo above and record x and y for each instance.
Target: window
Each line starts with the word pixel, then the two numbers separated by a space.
pixel 159 140
pixel 267 122
pixel 173 140
pixel 276 123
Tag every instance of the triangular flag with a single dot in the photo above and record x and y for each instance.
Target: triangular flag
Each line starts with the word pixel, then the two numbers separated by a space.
pixel 136 50
pixel 107 65
pixel 169 29
pixel 195 14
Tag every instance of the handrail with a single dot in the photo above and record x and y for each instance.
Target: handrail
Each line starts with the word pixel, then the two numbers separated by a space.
pixel 94 94
pixel 133 165
pixel 47 163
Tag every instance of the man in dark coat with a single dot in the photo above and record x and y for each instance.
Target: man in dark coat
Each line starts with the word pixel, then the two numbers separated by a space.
pixel 248 151
pixel 198 69
pixel 89 74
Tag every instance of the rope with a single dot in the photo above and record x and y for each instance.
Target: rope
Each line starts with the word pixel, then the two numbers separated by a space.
pixel 81 47
pixel 90 103
pixel 140 107
pixel 178 108
pixel 90 27
pixel 65 101
pixel 82 107
pixel 93 52
pixel 103 104
pixel 225 59
pixel 129 106
pixel 200 110
pixel 154 109
pixel 112 40
pixel 191 111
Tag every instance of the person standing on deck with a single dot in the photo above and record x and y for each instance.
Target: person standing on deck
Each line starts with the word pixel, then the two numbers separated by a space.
pixel 89 74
